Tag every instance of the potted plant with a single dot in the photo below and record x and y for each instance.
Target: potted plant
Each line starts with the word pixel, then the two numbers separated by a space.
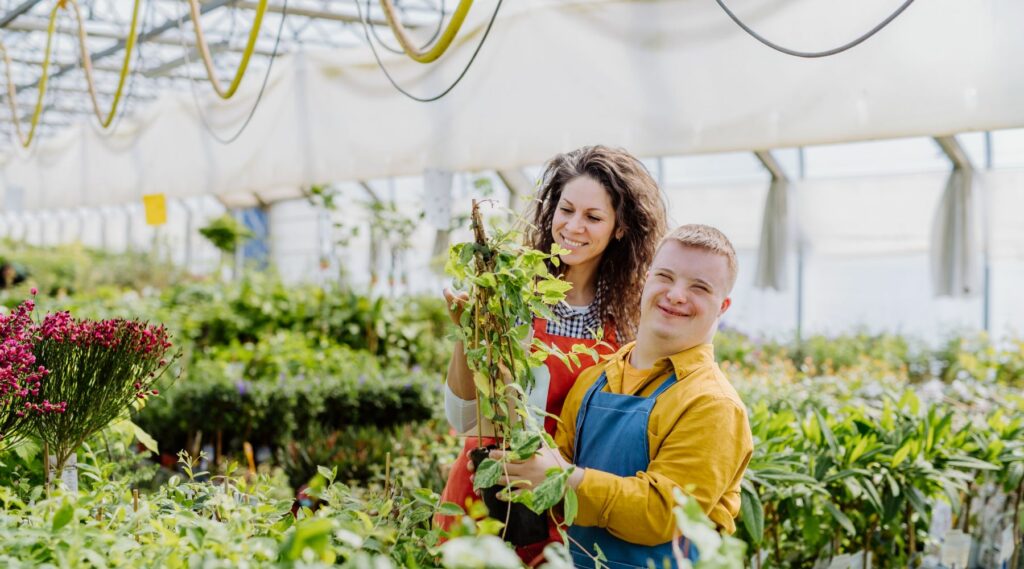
pixel 508 285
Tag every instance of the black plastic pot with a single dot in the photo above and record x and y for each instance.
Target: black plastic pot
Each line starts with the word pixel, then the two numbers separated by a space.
pixel 524 526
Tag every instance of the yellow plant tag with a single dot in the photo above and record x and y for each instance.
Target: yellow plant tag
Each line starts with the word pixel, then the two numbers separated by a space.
pixel 156 208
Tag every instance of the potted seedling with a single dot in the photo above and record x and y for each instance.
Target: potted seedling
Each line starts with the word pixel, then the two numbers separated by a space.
pixel 508 284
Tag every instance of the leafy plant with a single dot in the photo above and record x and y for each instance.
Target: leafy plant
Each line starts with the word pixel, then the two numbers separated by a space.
pixel 226 233
pixel 508 285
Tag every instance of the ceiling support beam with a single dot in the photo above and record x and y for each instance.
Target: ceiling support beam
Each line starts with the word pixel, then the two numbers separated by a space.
pixel 17 11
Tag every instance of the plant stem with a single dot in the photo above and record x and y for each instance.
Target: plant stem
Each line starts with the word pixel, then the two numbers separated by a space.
pixel 1016 526
pixel 967 509
pixel 911 534
pixel 597 562
pixel 508 505
pixel 476 344
pixel 775 521
pixel 46 467
pixel 867 543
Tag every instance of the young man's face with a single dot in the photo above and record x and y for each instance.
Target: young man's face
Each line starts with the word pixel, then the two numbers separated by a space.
pixel 684 295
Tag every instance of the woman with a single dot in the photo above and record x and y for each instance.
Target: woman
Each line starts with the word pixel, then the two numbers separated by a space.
pixel 602 205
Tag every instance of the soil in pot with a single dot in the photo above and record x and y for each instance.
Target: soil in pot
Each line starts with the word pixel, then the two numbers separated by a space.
pixel 524 526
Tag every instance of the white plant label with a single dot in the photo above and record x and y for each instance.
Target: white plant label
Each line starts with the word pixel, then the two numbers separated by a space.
pixel 956 550
pixel 1006 544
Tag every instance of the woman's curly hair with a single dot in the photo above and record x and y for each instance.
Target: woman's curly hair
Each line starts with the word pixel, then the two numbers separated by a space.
pixel 639 219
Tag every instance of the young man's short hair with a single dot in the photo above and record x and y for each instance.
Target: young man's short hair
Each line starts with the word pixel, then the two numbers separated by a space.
pixel 708 238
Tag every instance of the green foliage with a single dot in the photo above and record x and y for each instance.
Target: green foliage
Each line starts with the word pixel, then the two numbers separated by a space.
pixel 234 522
pixel 856 462
pixel 981 358
pixel 226 233
pixel 273 413
pixel 74 269
pixel 358 453
pixel 409 332
pixel 715 550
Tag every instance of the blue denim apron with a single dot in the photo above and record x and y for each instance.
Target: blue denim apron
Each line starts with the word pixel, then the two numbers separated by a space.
pixel 611 436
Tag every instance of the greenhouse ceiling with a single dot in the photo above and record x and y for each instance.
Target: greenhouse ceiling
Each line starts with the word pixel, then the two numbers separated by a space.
pixel 660 77
pixel 165 56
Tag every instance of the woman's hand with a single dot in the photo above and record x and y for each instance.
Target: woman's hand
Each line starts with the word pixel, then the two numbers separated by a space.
pixel 456 303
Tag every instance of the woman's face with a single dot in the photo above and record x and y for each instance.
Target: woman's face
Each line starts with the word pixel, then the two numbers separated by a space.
pixel 584 221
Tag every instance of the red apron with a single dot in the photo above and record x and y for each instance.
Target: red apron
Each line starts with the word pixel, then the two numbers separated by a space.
pixel 459 488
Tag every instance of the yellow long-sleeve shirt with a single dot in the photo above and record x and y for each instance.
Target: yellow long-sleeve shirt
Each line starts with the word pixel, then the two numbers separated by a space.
pixel 698 433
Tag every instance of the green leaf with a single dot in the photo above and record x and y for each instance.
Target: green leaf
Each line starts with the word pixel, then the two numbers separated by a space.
pixel 63 515
pixel 486 409
pixel 524 444
pixel 27 449
pixel 482 382
pixel 752 515
pixel 872 492
pixel 450 509
pixel 917 501
pixel 570 506
pixel 901 455
pixel 487 474
pixel 858 450
pixel 841 518
pixel 1014 475
pixel 969 463
pixel 489 526
pixel 548 493
pixel 910 399
pixel 311 534
pixel 826 431
pixel 144 438
pixel 328 474
pixel 486 280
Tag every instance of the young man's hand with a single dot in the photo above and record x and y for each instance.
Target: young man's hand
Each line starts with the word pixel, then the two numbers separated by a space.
pixel 530 473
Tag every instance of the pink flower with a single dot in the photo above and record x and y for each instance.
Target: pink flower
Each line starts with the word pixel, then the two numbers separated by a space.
pixel 34 291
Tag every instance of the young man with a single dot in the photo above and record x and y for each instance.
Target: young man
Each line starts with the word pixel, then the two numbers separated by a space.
pixel 659 415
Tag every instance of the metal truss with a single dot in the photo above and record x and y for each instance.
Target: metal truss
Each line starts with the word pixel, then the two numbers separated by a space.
pixel 160 63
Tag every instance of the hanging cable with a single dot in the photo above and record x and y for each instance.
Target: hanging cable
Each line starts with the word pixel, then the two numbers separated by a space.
pixel 426 44
pixel 442 45
pixel 813 54
pixel 140 60
pixel 376 55
pixel 259 95
pixel 86 60
pixel 204 49
pixel 12 93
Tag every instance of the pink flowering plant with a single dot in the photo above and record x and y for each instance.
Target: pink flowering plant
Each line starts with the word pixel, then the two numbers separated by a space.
pixel 20 374
pixel 97 369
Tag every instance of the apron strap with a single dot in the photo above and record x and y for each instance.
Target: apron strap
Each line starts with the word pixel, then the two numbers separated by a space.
pixel 669 382
pixel 540 326
pixel 581 415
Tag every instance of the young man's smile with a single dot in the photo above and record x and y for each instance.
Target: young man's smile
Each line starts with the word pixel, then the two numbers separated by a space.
pixel 686 291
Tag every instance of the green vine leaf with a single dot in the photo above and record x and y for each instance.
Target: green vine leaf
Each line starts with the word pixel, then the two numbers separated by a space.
pixel 487 474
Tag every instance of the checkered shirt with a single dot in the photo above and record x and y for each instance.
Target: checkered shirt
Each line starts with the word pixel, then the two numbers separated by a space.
pixel 572 323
